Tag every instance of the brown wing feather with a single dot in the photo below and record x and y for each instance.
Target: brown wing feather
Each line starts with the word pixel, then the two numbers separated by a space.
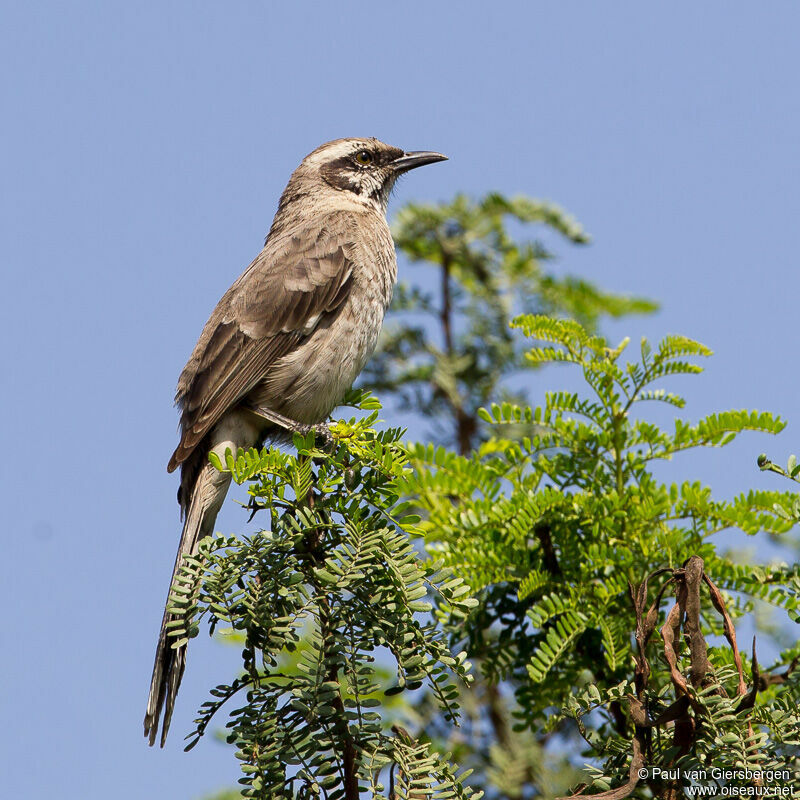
pixel 274 304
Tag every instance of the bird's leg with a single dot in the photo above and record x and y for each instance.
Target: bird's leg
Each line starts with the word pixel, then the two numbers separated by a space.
pixel 312 540
pixel 321 431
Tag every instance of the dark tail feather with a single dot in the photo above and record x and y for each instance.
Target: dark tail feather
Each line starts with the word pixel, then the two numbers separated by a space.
pixel 201 512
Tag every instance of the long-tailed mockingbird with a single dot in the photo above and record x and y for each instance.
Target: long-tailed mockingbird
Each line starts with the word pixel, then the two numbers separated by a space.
pixel 285 341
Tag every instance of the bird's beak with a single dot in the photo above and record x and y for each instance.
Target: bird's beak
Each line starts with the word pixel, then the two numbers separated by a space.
pixel 417 158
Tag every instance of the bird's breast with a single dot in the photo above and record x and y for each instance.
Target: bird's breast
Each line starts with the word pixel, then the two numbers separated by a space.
pixel 306 384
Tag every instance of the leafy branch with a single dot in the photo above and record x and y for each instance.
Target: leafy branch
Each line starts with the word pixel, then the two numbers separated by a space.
pixel 334 581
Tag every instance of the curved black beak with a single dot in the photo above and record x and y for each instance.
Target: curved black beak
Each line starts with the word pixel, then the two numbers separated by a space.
pixel 417 158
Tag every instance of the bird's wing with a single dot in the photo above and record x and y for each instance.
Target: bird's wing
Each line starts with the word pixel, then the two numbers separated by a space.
pixel 278 301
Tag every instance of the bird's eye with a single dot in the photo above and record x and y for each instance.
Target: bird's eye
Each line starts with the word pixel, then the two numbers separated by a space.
pixel 364 157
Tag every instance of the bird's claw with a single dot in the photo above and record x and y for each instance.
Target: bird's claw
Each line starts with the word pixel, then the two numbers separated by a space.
pixel 322 434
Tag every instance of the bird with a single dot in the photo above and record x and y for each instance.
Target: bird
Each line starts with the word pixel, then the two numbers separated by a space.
pixel 284 343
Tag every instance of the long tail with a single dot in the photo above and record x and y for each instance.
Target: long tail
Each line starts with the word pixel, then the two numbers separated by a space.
pixel 201 512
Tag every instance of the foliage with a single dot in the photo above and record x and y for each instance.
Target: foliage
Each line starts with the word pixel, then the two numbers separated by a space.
pixel 558 529
pixel 336 577
pixel 792 472
pixel 555 520
pixel 485 276
pixel 448 350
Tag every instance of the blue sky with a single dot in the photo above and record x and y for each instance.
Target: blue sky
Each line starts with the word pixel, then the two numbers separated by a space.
pixel 144 146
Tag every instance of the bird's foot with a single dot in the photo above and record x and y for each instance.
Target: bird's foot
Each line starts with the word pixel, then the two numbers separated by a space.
pixel 321 430
pixel 322 434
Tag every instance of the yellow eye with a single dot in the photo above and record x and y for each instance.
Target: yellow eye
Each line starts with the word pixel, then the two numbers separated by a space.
pixel 364 157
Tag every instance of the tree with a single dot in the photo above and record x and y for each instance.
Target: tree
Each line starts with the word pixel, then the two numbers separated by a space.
pixel 450 350
pixel 538 545
pixel 336 579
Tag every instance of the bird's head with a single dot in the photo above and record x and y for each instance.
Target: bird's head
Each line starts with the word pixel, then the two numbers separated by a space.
pixel 366 169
